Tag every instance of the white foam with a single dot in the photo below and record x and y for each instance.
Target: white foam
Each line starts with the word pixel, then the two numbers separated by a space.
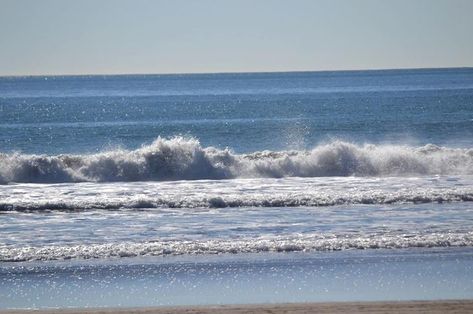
pixel 187 217
pixel 263 192
pixel 181 158
pixel 234 246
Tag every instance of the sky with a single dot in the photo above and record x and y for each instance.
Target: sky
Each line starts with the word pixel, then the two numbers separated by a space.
pixel 54 37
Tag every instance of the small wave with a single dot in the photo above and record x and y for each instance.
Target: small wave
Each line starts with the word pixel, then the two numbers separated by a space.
pixel 422 196
pixel 221 246
pixel 181 158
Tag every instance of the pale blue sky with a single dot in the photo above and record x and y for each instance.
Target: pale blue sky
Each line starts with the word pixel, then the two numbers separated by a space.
pixel 176 36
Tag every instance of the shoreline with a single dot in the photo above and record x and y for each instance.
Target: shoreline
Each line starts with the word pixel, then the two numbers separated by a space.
pixel 266 279
pixel 436 306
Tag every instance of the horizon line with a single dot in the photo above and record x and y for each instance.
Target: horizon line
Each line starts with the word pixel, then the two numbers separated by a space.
pixel 234 72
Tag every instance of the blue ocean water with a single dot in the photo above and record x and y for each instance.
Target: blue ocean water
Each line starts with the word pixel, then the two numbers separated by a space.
pixel 246 112
pixel 138 165
pixel 106 181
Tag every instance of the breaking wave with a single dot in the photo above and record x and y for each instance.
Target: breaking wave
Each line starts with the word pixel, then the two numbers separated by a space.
pixel 215 201
pixel 181 158
pixel 310 243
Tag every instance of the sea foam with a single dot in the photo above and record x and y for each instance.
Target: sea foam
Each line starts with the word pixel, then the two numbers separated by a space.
pixel 181 158
pixel 309 243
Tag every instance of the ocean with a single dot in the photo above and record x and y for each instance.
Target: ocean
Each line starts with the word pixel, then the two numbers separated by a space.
pixel 107 171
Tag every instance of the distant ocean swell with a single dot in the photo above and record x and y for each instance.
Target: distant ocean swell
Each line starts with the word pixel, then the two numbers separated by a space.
pixel 219 246
pixel 181 158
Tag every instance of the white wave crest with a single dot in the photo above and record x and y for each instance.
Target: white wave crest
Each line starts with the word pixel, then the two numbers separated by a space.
pixel 215 201
pixel 308 243
pixel 181 158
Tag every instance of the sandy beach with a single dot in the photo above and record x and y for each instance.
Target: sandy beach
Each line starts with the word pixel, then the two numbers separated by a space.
pixel 450 306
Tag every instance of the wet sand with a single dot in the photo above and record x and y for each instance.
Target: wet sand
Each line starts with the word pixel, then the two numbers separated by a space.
pixel 433 307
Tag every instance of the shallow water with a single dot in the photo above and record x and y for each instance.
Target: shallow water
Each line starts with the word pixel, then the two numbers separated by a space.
pixel 422 274
pixel 90 220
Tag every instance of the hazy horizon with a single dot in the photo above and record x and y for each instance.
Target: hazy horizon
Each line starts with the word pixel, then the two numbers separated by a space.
pixel 106 37
pixel 236 72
